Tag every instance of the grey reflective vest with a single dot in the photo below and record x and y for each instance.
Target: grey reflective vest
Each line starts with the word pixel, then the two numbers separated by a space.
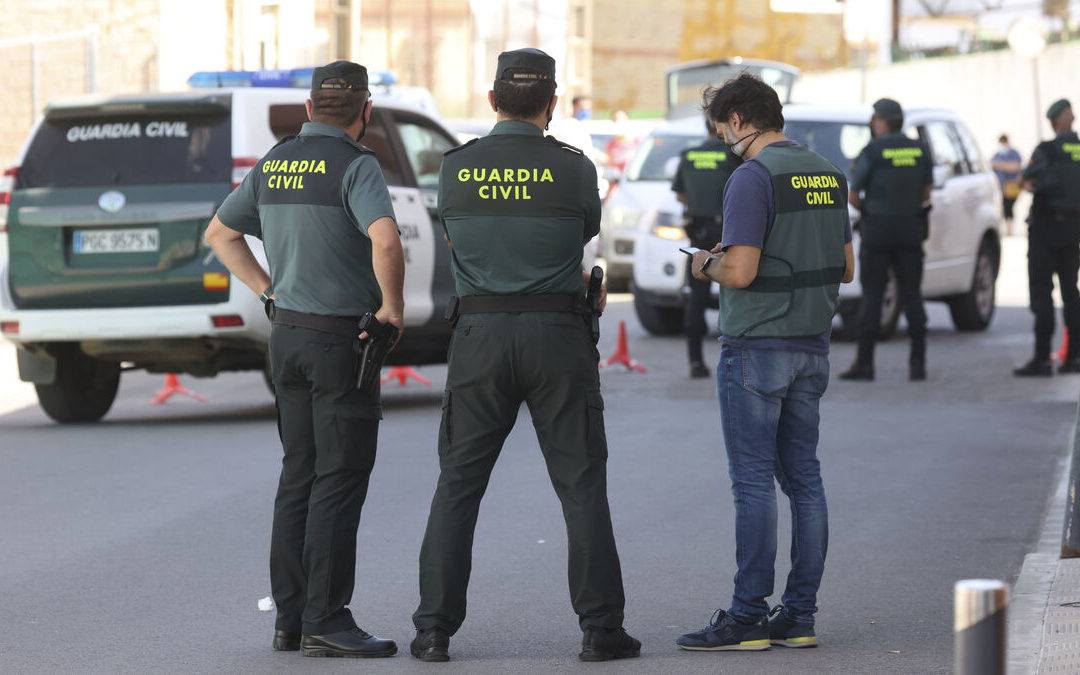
pixel 797 287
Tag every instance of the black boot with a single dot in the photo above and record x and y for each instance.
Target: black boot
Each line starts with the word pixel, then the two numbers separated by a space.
pixel 917 360
pixel 863 368
pixel 1036 367
pixel 698 368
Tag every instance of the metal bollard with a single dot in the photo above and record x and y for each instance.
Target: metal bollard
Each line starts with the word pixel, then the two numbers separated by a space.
pixel 979 626
pixel 1070 538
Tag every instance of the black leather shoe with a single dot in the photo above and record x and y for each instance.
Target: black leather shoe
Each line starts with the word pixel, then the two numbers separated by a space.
pixel 284 641
pixel 353 643
pixel 432 644
pixel 605 644
pixel 917 371
pixel 1034 368
pixel 858 371
pixel 1070 366
pixel 698 369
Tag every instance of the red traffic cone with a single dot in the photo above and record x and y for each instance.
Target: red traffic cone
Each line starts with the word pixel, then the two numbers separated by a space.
pixel 622 353
pixel 1063 352
pixel 173 386
pixel 403 373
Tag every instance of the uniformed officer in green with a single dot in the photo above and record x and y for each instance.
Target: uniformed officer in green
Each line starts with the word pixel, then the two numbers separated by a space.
pixel 518 209
pixel 320 205
pixel 896 174
pixel 699 184
pixel 1054 239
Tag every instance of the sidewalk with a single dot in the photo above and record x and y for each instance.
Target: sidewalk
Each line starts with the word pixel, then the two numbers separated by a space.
pixel 1044 623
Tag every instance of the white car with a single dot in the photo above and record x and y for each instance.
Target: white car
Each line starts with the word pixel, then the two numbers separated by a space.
pixel 103 266
pixel 962 252
pixel 642 197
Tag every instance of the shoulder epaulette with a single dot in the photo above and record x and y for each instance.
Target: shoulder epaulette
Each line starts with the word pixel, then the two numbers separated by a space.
pixel 284 139
pixel 463 145
pixel 365 149
pixel 564 146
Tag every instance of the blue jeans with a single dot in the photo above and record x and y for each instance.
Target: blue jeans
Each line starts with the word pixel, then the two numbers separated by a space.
pixel 769 412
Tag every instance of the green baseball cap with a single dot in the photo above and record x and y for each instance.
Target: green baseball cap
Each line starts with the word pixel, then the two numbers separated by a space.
pixel 525 65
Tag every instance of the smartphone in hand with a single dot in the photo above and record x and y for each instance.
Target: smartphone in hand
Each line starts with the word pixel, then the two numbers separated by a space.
pixel 689 250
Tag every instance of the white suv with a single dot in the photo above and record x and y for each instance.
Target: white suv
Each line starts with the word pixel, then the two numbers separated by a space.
pixel 102 261
pixel 962 252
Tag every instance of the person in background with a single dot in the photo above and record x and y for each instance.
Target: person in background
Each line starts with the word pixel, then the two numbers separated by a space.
pixel 1006 164
pixel 1053 175
pixel 699 184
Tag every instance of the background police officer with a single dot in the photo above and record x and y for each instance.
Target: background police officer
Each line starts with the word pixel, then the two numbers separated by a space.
pixel 699 184
pixel 1054 239
pixel 321 207
pixel 896 174
pixel 518 208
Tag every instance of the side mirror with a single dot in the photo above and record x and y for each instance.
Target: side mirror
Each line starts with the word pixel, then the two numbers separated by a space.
pixel 942 173
pixel 670 167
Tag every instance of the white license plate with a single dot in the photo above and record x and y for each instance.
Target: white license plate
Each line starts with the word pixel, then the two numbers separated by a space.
pixel 116 241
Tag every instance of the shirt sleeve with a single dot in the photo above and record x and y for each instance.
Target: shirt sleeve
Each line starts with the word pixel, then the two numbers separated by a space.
pixel 1040 162
pixel 861 173
pixel 747 206
pixel 240 210
pixel 590 197
pixel 364 192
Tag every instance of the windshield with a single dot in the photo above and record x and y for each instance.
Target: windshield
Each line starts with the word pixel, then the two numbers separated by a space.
pixel 655 152
pixel 139 149
pixel 838 142
pixel 685 84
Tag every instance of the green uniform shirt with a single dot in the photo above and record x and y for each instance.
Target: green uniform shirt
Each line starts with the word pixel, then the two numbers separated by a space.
pixel 893 170
pixel 518 207
pixel 1055 168
pixel 702 173
pixel 311 200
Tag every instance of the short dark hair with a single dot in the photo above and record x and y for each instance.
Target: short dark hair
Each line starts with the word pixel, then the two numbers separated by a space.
pixel 895 121
pixel 747 96
pixel 579 98
pixel 1003 138
pixel 523 101
pixel 340 107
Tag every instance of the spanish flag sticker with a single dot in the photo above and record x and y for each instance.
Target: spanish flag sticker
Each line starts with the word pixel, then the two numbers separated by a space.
pixel 215 281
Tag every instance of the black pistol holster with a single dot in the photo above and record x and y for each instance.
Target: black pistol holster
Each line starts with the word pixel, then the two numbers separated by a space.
pixel 373 349
pixel 592 301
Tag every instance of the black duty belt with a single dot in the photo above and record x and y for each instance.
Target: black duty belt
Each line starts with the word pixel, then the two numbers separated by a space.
pixel 548 302
pixel 345 326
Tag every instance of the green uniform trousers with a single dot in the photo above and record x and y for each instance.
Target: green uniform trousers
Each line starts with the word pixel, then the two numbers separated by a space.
pixel 496 361
pixel 328 431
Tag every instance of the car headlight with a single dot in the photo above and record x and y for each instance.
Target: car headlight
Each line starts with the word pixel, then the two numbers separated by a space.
pixel 667 226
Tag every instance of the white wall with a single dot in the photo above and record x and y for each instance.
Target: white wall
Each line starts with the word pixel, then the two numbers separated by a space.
pixel 993 92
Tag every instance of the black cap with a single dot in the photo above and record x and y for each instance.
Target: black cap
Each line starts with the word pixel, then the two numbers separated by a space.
pixel 887 106
pixel 525 65
pixel 353 74
pixel 1056 108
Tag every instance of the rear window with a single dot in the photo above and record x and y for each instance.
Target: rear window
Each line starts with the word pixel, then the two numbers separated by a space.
pixel 838 142
pixel 129 149
pixel 653 154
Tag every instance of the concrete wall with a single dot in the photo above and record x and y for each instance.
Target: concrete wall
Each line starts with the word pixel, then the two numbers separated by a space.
pixel 993 92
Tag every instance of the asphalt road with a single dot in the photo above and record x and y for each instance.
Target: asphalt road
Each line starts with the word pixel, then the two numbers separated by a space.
pixel 139 544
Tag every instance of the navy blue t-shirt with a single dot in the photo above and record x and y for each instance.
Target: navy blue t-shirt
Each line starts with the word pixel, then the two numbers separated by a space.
pixel 749 213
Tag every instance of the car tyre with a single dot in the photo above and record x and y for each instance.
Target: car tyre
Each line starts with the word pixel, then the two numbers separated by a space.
pixel 84 389
pixel 658 320
pixel 973 310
